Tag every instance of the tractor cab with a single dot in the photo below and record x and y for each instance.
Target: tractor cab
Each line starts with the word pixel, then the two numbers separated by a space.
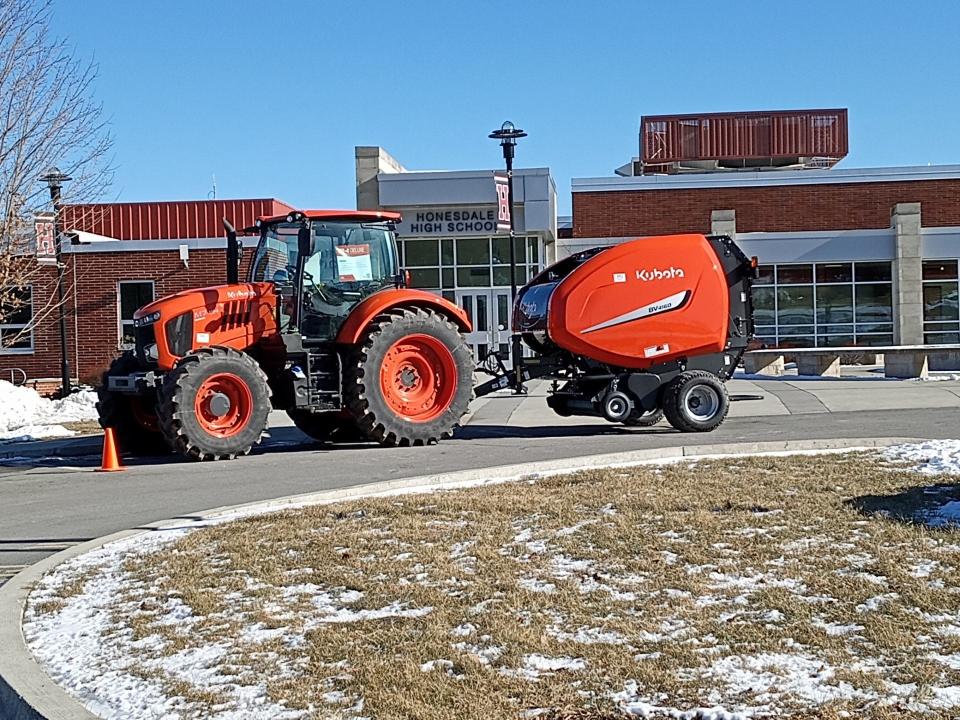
pixel 323 265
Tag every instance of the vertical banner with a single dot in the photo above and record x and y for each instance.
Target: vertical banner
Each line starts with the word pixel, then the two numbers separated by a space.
pixel 500 182
pixel 46 242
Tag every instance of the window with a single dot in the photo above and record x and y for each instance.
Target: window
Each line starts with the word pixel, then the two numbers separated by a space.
pixel 941 317
pixel 824 304
pixel 132 295
pixel 16 318
pixel 447 264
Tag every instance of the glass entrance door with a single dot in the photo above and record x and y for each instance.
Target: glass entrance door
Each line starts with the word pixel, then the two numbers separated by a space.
pixel 489 312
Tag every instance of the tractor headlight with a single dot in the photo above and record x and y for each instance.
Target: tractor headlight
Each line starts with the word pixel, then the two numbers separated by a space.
pixel 150 351
pixel 147 319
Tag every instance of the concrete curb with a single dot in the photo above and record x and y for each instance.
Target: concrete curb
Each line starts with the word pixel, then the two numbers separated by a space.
pixel 28 693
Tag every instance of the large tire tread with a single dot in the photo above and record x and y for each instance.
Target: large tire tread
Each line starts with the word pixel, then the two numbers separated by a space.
pixel 673 401
pixel 115 411
pixel 175 410
pixel 361 386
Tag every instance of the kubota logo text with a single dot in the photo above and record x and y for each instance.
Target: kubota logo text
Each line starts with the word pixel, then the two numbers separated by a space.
pixel 658 274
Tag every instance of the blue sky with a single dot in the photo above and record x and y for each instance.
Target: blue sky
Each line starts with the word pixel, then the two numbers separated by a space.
pixel 272 97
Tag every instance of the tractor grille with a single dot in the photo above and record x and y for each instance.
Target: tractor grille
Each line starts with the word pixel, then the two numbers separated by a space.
pixel 145 335
pixel 179 334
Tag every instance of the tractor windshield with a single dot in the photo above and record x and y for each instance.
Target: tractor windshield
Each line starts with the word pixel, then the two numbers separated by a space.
pixel 347 262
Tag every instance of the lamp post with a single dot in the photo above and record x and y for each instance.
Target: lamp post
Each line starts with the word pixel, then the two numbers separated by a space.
pixel 54 180
pixel 508 134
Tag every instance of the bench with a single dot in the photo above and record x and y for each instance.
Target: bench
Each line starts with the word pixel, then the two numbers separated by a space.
pixel 899 361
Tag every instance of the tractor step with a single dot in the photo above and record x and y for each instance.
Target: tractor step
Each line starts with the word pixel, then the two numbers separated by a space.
pixel 324 375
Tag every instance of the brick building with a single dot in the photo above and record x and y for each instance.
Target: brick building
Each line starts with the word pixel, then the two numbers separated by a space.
pixel 848 257
pixel 117 257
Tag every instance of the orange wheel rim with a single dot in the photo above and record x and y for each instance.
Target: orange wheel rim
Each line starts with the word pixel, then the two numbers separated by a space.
pixel 223 405
pixel 145 417
pixel 418 378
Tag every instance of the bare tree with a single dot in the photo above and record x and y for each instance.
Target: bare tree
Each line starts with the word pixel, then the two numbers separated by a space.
pixel 48 117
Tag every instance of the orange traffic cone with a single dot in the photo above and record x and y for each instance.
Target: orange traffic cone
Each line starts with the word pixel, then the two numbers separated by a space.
pixel 111 458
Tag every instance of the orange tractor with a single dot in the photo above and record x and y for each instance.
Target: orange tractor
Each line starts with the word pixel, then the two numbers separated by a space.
pixel 324 329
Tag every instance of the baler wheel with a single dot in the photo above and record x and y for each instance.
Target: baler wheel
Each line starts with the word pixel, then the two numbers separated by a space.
pixel 214 404
pixel 696 401
pixel 132 417
pixel 410 379
pixel 644 419
pixel 327 427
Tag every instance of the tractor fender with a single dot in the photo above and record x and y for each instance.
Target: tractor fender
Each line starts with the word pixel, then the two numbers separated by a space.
pixel 378 303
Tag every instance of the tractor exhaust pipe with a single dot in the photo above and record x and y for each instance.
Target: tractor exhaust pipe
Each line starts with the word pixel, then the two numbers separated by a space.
pixel 233 254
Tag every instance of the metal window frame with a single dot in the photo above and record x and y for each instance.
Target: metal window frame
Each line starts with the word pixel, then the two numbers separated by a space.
pixel 20 327
pixel 817 335
pixel 939 326
pixel 120 319
pixel 529 268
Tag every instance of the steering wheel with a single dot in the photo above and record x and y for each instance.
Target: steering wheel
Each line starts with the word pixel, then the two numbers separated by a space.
pixel 321 290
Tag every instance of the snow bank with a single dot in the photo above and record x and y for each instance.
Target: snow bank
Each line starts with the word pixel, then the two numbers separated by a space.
pixel 25 415
pixel 932 457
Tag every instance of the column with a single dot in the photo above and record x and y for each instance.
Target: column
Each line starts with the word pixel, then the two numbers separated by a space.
pixel 907 275
pixel 371 160
pixel 723 222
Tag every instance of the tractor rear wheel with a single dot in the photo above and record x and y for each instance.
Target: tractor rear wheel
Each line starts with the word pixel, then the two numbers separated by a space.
pixel 132 417
pixel 696 401
pixel 214 404
pixel 410 379
pixel 327 427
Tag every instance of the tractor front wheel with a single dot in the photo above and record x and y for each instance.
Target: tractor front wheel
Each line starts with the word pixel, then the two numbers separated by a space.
pixel 214 404
pixel 411 378
pixel 132 417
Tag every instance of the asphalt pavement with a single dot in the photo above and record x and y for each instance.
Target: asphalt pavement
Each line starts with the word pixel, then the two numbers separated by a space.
pixel 48 504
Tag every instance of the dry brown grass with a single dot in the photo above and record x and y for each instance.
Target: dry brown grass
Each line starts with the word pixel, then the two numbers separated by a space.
pixel 674 578
pixel 84 427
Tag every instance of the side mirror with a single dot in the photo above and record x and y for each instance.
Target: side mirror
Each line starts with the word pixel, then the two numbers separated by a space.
pixel 303 241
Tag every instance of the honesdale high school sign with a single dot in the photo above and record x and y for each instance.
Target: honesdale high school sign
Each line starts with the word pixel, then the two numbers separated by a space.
pixel 448 221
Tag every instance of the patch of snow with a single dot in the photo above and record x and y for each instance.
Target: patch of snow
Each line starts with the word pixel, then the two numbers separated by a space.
pixel 630 701
pixel 932 457
pixel 563 532
pixel 831 628
pixel 542 663
pixel 535 585
pixel 924 569
pixel 464 630
pixel 564 567
pixel 769 674
pixel 587 636
pixel 484 654
pixel 876 602
pixel 26 415
pixel 26 433
pixel 431 665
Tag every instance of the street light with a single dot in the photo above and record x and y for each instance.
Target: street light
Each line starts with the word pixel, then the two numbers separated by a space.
pixel 508 134
pixel 55 180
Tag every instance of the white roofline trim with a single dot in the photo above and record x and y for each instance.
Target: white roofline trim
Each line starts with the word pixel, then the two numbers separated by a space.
pixel 156 245
pixel 940 230
pixel 411 175
pixel 813 234
pixel 766 178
